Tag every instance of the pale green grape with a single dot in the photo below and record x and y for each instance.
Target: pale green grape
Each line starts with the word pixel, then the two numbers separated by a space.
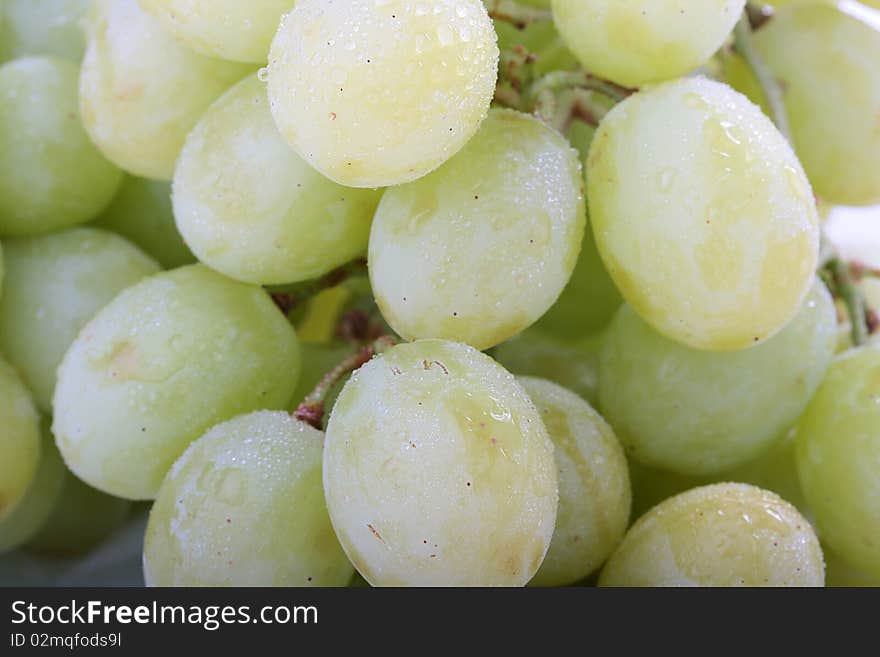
pixel 594 489
pixel 43 27
pixel 19 439
pixel 720 535
pixel 481 248
pixel 141 212
pixel 141 91
pixel 438 470
pixel 39 500
pixel 826 61
pixel 51 175
pixel 56 284
pixel 573 366
pixel 161 363
pixel 838 452
pixel 251 208
pixel 244 506
pixel 838 573
pixel 700 413
pixel 702 214
pixel 380 93
pixel 641 41
pixel 228 29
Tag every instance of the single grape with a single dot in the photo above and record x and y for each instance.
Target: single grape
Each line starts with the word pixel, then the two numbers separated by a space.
pixel 701 413
pixel 438 470
pixel 720 535
pixel 252 209
pixel 838 451
pixel 56 284
pixel 141 91
pixel 244 506
pixel 19 440
pixel 51 175
pixel 160 364
pixel 594 489
pixel 642 41
pixel 373 94
pixel 839 573
pixel 481 248
pixel 141 212
pixel 42 27
pixel 702 214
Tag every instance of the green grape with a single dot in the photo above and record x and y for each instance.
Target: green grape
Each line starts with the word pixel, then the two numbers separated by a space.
pixel 826 61
pixel 141 212
pixel 244 506
pixel 56 284
pixel 42 27
pixel 507 213
pixel 573 366
pixel 19 439
pixel 438 470
pixel 372 93
pixel 838 573
pixel 594 489
pixel 701 413
pixel 318 360
pixel 720 535
pixel 838 449
pixel 141 91
pixel 641 41
pixel 2 271
pixel 702 214
pixel 51 176
pixel 35 507
pixel 228 29
pixel 251 208
pixel 160 364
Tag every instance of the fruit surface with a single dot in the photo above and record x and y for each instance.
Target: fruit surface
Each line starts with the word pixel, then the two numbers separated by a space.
pixel 19 439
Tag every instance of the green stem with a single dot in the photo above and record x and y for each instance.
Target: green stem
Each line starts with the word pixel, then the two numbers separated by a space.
pixel 520 16
pixel 847 289
pixel 289 297
pixel 559 80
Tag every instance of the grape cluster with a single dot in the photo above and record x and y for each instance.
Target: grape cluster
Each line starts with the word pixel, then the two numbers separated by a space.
pixel 441 292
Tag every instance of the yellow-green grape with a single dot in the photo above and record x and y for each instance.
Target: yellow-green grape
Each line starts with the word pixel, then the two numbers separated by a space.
pixel 838 573
pixel 702 214
pixel 244 506
pixel 251 208
pixel 720 535
pixel 826 61
pixel 165 360
pixel 51 175
pixel 141 91
pixel 700 413
pixel 372 93
pixel 141 212
pixel 838 451
pixel 19 439
pixel 573 366
pixel 641 41
pixel 43 27
pixel 438 470
pixel 2 270
pixel 39 500
pixel 56 284
pixel 594 489
pixel 505 215
pixel 228 29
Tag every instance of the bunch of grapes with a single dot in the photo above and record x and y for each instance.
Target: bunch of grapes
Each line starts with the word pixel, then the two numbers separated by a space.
pixel 441 292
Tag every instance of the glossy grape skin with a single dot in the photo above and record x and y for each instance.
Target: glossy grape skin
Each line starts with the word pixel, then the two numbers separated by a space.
pixel 56 285
pixel 19 439
pixel 377 94
pixel 42 27
pixel 165 360
pixel 594 488
pixel 252 209
pixel 51 175
pixel 141 91
pixel 702 214
pixel 438 470
pixel 643 41
pixel 141 212
pixel 720 535
pixel 505 215
pixel 838 451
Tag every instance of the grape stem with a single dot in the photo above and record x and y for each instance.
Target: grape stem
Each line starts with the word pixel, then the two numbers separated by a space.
pixel 846 288
pixel 288 298
pixel 510 11
pixel 559 80
pixel 311 410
